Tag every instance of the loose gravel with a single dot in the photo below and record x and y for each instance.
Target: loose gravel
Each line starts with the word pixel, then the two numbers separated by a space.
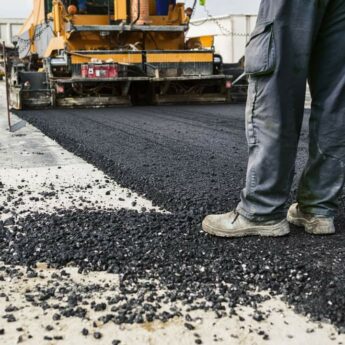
pixel 191 161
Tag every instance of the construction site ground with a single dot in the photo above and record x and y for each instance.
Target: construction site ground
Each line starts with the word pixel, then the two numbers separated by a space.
pixel 100 238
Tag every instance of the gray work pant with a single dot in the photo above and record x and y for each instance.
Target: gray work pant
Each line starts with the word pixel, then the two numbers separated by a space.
pixel 295 41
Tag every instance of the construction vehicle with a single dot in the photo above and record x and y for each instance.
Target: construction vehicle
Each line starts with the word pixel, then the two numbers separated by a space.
pixel 108 52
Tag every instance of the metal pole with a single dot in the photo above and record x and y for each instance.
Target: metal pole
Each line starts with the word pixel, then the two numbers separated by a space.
pixel 6 87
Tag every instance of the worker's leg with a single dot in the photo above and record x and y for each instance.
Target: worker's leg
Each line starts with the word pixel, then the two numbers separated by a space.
pixel 277 58
pixel 323 178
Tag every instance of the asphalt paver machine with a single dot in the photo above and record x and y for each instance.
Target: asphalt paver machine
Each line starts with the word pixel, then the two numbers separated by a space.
pixel 94 53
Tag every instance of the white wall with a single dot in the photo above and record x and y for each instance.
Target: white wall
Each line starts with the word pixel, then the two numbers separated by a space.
pixel 15 8
pixel 9 27
pixel 231 34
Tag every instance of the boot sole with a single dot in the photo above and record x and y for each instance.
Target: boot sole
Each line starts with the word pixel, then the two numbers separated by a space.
pixel 277 230
pixel 309 227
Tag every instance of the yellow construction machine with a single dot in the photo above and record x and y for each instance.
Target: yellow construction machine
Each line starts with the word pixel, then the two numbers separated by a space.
pixel 108 52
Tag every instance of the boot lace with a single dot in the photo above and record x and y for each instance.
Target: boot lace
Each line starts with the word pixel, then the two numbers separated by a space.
pixel 236 217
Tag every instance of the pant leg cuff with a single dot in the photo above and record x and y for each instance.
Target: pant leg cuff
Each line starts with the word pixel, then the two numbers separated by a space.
pixel 317 211
pixel 262 218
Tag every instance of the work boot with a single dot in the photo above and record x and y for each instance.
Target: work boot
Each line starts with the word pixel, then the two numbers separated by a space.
pixel 313 224
pixel 234 225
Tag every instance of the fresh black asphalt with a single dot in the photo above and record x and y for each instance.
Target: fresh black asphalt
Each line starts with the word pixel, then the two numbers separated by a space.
pixel 190 160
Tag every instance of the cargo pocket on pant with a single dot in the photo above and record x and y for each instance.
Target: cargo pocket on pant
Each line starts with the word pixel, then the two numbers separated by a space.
pixel 260 58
